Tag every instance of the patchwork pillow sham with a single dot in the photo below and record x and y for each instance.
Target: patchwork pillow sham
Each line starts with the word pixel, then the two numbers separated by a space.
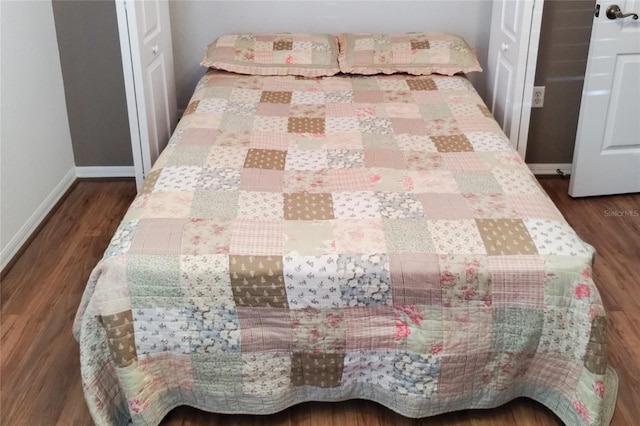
pixel 307 55
pixel 416 53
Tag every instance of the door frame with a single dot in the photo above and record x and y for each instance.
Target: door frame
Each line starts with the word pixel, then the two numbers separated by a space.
pixel 131 63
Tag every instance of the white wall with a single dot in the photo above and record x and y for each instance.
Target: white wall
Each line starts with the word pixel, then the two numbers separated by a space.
pixel 196 23
pixel 36 161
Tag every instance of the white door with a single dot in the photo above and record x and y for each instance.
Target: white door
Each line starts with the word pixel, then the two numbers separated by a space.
pixel 513 52
pixel 606 157
pixel 147 60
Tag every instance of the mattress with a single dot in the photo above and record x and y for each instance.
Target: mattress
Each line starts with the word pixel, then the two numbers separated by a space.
pixel 341 237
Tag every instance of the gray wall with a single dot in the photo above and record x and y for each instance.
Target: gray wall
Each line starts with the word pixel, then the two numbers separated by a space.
pixel 562 60
pixel 197 23
pixel 89 47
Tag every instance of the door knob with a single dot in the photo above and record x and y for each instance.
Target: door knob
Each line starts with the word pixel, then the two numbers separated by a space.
pixel 154 49
pixel 614 12
pixel 505 47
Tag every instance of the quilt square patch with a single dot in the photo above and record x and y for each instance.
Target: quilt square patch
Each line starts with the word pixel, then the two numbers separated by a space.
pixel 359 236
pixel 178 178
pixel 306 181
pixel 227 179
pixel 270 159
pixel 416 374
pixel 345 158
pixel 350 180
pixel 462 326
pixel 221 205
pixel 370 328
pixel 480 183
pixel 456 237
pixel 365 279
pixel 312 282
pixel 307 159
pixel 465 280
pixel 257 237
pixel 319 370
pixel 445 206
pixel 265 329
pixel 318 331
pixel 262 180
pixel 201 236
pixel 312 238
pixel 306 206
pixel 205 280
pixel 517 330
pixel 355 205
pixel 213 329
pixel 453 143
pixel 505 237
pixel 257 281
pixel 160 236
pixel 490 206
pixel 384 158
pixel 407 236
pixel 372 367
pixel 260 205
pixel 397 205
pixel 415 279
pixel 266 374
pixel 552 237
pixel 517 281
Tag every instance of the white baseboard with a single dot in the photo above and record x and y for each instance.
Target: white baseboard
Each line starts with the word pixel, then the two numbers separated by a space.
pixel 23 234
pixel 542 169
pixel 105 172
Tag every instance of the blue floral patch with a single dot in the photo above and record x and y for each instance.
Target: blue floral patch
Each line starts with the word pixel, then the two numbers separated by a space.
pixel 365 279
pixel 213 329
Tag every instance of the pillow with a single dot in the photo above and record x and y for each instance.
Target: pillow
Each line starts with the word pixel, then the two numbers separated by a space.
pixel 308 55
pixel 413 53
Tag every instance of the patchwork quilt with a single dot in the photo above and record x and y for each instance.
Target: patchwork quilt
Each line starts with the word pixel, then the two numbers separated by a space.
pixel 341 237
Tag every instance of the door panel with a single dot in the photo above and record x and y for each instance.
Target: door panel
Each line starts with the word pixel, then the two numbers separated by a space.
pixel 607 151
pixel 513 51
pixel 147 59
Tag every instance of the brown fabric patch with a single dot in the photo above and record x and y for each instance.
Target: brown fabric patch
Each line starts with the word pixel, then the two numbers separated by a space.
pixel 282 45
pixel 150 182
pixel 120 337
pixel 595 359
pixel 419 44
pixel 321 370
pixel 270 159
pixel 306 206
pixel 453 143
pixel 191 108
pixel 275 97
pixel 485 111
pixel 421 84
pixel 505 237
pixel 257 281
pixel 305 125
pixel 262 180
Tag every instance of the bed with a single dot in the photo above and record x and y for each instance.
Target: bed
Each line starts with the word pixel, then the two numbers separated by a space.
pixel 339 237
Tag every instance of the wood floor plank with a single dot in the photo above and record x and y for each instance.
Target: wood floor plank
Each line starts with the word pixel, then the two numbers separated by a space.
pixel 39 296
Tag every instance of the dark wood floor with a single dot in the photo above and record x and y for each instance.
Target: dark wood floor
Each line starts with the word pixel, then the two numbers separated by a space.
pixel 39 360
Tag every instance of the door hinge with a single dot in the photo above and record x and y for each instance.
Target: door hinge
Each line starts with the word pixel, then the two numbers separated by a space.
pixel 597 10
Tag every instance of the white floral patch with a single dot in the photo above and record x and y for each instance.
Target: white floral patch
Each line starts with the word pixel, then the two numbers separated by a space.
pixel 312 281
pixel 178 178
pixel 355 205
pixel 121 241
pixel 556 238
pixel 302 160
pixel 456 237
pixel 212 105
pixel 308 97
pixel 516 181
pixel 488 141
pixel 266 374
pixel 341 124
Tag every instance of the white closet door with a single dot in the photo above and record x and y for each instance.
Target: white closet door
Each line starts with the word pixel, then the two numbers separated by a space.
pixel 513 53
pixel 147 59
